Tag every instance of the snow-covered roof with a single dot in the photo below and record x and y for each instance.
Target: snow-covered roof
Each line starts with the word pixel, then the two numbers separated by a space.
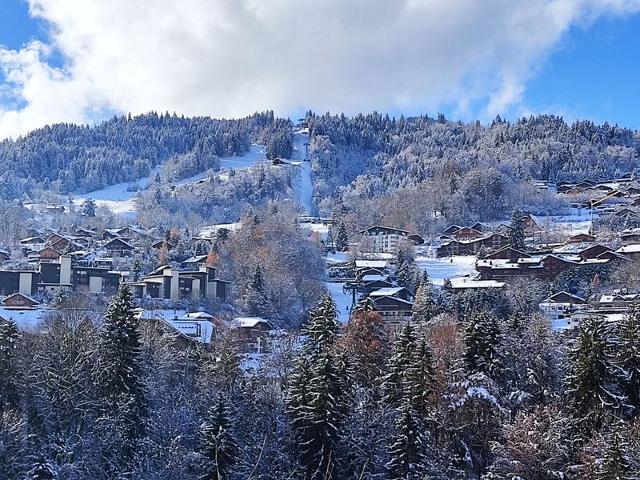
pixel 249 322
pixel 633 248
pixel 199 330
pixel 386 292
pixel 198 316
pixel 371 264
pixel 465 282
pixel 375 278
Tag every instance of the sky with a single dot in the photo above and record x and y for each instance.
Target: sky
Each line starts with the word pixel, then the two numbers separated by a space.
pixel 71 61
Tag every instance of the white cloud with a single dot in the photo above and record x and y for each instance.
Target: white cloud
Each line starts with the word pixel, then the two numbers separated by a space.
pixel 233 57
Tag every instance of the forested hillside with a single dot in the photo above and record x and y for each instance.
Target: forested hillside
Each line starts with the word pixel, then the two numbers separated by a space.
pixel 66 157
pixel 471 170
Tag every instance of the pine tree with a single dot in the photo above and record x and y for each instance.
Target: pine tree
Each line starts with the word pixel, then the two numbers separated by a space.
pixel 218 443
pixel 342 239
pixel 318 393
pixel 406 450
pixel 9 336
pixel 482 339
pixel 628 356
pixel 424 306
pixel 590 393
pixel 255 297
pixel 421 379
pixel 616 465
pixel 136 270
pixel 42 471
pixel 395 383
pixel 516 230
pixel 89 208
pixel 407 273
pixel 118 371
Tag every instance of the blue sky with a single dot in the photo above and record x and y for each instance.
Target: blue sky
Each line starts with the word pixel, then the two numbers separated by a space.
pixel 592 71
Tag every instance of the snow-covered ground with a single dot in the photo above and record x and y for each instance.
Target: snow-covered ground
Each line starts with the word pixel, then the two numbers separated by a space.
pixel 210 230
pixel 119 198
pixel 447 267
pixel 342 299
pixel 255 155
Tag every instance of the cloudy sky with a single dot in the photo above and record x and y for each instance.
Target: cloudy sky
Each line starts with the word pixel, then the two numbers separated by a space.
pixel 82 61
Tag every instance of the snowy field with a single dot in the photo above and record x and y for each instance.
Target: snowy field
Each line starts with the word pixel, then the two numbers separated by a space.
pixel 447 267
pixel 121 200
pixel 304 186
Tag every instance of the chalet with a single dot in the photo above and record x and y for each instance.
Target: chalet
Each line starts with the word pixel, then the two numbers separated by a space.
pixel 531 223
pixel 386 239
pixel 19 301
pixel 188 328
pixel 507 253
pixel 464 233
pixel 395 311
pixel 617 301
pixel 36 240
pixel 562 304
pixel 630 236
pixel 109 234
pixel 48 254
pixel 369 283
pixel 632 251
pixel 625 213
pixel 593 251
pixel 581 238
pixel 84 232
pixel 54 238
pixel 396 292
pixel 490 241
pixel 252 334
pixel 544 267
pixel 118 247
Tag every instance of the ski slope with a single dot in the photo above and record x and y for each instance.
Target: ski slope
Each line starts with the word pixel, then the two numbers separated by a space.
pixel 304 185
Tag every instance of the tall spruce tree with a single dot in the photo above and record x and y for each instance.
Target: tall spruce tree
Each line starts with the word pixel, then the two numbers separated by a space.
pixel 628 356
pixel 395 382
pixel 255 297
pixel 482 339
pixel 218 443
pixel 615 464
pixel 318 394
pixel 341 237
pixel 9 336
pixel 590 383
pixel 516 230
pixel 407 459
pixel 118 373
pixel 424 306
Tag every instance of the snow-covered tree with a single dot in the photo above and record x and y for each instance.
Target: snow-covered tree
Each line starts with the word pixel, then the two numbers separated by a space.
pixel 255 296
pixel 424 305
pixel 482 339
pixel 628 356
pixel 218 443
pixel 516 230
pixel 341 237
pixel 9 336
pixel 591 390
pixel 406 451
pixel 89 208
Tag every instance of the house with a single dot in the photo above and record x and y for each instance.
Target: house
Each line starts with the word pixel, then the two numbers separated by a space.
pixel 543 267
pixel 632 251
pixel 630 236
pixel 530 223
pixel 369 283
pixel 118 247
pixel 561 305
pixel 49 254
pixel 489 241
pixel 168 283
pixel 252 334
pixel 581 238
pixel 195 261
pixel 394 310
pixel 386 239
pixel 188 328
pixel 507 253
pixel 19 301
pixel 396 292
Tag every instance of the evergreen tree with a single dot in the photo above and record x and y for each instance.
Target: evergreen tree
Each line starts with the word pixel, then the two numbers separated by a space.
pixel 318 393
pixel 616 465
pixel 590 382
pixel 516 230
pixel 218 443
pixel 407 273
pixel 395 384
pixel 118 374
pixel 342 239
pixel 407 460
pixel 9 336
pixel 42 471
pixel 482 339
pixel 255 297
pixel 424 306
pixel 628 356
pixel 89 208
pixel 136 270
